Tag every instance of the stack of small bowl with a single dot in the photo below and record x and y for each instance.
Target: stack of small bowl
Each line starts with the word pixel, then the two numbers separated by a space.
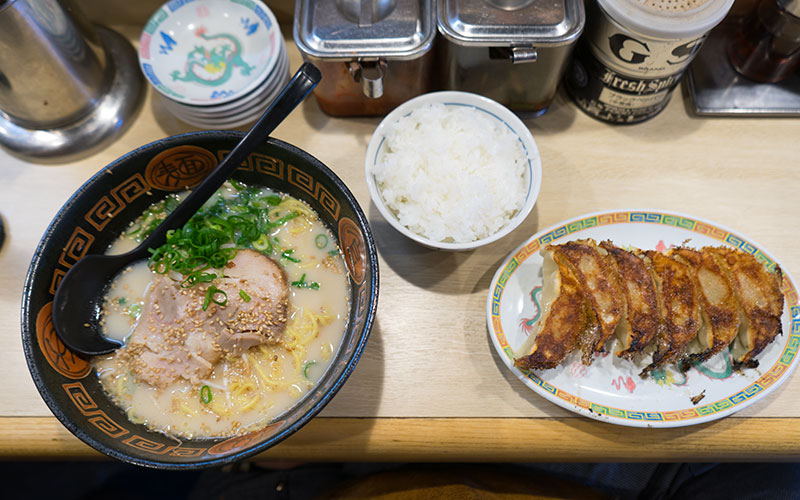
pixel 217 63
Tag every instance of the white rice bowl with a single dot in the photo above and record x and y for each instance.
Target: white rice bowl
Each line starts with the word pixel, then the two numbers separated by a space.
pixel 452 173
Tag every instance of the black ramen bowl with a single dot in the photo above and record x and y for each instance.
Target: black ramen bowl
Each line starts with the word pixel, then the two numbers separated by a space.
pixel 101 210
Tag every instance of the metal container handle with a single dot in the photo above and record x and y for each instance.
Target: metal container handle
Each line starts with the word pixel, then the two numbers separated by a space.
pixel 517 55
pixel 370 74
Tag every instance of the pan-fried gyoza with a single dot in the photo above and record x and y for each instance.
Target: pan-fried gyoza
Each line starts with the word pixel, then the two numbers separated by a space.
pixel 680 306
pixel 640 321
pixel 759 299
pixel 719 309
pixel 590 265
pixel 566 317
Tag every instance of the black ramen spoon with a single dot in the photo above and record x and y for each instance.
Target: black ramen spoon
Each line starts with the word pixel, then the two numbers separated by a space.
pixel 79 297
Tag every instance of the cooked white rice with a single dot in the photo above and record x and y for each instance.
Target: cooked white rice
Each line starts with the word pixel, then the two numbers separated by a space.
pixel 452 173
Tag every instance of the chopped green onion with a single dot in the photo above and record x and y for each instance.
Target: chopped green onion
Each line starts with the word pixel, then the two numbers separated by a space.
pixel 211 296
pixel 244 296
pixel 152 218
pixel 197 277
pixel 302 283
pixel 287 254
pixel 333 253
pixel 262 244
pixel 306 367
pixel 211 238
pixel 170 204
pixel 135 311
pixel 205 394
pixel 321 241
pixel 286 218
pixel 203 241
pixel 161 268
pixel 122 300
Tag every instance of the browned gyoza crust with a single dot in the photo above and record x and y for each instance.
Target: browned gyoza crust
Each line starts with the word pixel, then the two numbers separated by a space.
pixel 560 330
pixel 679 307
pixel 642 321
pixel 719 308
pixel 662 300
pixel 759 298
pixel 597 279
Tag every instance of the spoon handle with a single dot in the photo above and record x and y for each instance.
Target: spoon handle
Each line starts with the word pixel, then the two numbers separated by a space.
pixel 293 94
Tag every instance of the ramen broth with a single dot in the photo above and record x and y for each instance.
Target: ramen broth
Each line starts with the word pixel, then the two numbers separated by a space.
pixel 246 392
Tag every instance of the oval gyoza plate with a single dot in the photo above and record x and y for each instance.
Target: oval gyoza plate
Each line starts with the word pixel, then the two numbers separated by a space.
pixel 611 389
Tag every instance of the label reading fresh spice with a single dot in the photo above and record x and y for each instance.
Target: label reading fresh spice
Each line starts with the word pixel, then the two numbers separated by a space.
pixel 610 96
pixel 620 76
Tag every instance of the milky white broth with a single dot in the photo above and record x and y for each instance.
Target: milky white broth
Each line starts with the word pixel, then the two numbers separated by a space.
pixel 249 391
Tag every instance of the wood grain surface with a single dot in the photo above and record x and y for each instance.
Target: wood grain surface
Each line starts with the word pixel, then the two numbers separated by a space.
pixel 429 385
pixel 466 440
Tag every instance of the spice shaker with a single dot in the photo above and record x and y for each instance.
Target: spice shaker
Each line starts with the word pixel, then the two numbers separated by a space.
pixel 635 52
pixel 373 54
pixel 512 51
pixel 766 48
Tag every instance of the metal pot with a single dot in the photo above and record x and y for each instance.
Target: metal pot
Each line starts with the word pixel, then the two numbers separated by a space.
pixel 373 54
pixel 513 51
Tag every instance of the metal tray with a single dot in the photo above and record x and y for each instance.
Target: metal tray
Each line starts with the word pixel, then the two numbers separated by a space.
pixel 717 89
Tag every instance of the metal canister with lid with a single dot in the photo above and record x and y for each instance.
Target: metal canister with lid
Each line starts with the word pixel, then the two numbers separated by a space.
pixel 634 54
pixel 373 54
pixel 513 51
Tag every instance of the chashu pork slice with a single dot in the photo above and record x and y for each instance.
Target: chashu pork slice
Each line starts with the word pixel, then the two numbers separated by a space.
pixel 679 307
pixel 175 338
pixel 600 283
pixel 759 299
pixel 718 308
pixel 566 316
pixel 260 319
pixel 640 322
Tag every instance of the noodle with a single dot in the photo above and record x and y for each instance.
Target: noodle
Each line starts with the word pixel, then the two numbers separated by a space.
pixel 295 205
pixel 246 392
pixel 266 379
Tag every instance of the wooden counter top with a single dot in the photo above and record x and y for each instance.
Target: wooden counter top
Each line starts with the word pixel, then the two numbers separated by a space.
pixel 429 385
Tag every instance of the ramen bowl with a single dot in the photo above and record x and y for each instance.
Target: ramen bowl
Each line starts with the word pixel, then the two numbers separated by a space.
pixel 101 210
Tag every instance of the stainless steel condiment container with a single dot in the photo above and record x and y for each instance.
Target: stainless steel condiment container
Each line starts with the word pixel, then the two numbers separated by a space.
pixel 374 54
pixel 66 87
pixel 513 51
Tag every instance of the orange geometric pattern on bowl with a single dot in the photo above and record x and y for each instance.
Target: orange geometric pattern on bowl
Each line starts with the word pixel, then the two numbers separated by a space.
pixel 85 404
pixel 238 443
pixel 83 401
pixel 179 168
pixel 111 204
pixel 275 167
pixel 58 356
pixel 78 245
pixel 354 249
